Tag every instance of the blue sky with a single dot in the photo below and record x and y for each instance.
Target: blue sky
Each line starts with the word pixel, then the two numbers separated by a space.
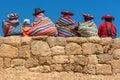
pixel 52 8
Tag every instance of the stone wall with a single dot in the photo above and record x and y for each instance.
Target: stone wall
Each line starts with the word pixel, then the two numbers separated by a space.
pixel 96 56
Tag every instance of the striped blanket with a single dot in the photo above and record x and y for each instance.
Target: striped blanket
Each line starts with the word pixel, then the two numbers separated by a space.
pixel 65 26
pixel 85 30
pixel 43 27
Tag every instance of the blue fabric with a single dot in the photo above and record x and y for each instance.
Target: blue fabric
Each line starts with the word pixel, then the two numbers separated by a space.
pixel 17 30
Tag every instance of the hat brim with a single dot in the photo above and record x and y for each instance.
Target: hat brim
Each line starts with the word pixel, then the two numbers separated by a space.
pixel 108 17
pixel 67 13
pixel 87 16
pixel 39 12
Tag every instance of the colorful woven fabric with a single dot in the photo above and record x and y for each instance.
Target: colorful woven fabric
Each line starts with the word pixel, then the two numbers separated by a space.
pixel 85 30
pixel 11 29
pixel 26 30
pixel 43 27
pixel 65 25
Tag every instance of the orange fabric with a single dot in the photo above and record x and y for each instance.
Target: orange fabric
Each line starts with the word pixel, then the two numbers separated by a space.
pixel 26 31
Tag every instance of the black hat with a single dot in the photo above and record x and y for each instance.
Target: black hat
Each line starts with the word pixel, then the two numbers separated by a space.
pixel 38 10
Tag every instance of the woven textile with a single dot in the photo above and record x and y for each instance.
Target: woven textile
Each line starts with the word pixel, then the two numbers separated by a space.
pixel 43 27
pixel 26 30
pixel 11 29
pixel 65 25
pixel 85 30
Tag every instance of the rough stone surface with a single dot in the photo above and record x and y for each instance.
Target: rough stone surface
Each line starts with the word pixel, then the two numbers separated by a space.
pixel 78 40
pixel 17 62
pixel 56 67
pixel 1 63
pixel 71 58
pixel 8 51
pixel 16 75
pixel 43 38
pixel 93 39
pixel 115 66
pixel 104 58
pixel 60 59
pixel 106 48
pixel 40 48
pixel 116 54
pixel 31 62
pixel 13 40
pixel 90 69
pixel 43 69
pixel 58 50
pixel 90 48
pixel 82 60
pixel 7 62
pixel 61 41
pixel 73 48
pixel 56 41
pixel 104 69
pixel 78 68
pixel 24 51
pixel 52 41
pixel 106 41
pixel 116 43
pixel 36 69
pixel 45 60
pixel 26 40
pixel 92 59
pixel 68 67
pixel 1 40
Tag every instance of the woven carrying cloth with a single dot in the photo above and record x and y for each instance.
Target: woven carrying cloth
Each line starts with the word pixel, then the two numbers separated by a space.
pixel 11 29
pixel 43 27
pixel 65 26
pixel 85 30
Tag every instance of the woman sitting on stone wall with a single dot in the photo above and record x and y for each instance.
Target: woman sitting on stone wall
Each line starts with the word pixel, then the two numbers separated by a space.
pixel 88 27
pixel 66 25
pixel 42 25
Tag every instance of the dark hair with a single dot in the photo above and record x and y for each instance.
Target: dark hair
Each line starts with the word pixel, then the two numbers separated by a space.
pixel 108 20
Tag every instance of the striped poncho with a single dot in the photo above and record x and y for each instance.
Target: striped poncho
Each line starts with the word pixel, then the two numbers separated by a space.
pixel 65 26
pixel 43 27
pixel 86 30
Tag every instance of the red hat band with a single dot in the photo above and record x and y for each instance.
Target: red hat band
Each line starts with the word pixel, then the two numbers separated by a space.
pixel 67 13
pixel 108 17
pixel 88 16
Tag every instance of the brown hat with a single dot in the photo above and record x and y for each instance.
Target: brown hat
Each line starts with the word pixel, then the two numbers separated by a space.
pixel 88 16
pixel 38 10
pixel 13 16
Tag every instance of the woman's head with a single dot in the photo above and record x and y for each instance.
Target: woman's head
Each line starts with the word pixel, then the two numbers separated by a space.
pixel 108 18
pixel 87 17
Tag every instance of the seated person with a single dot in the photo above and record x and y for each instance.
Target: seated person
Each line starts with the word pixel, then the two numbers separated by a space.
pixel 88 27
pixel 26 27
pixel 107 28
pixel 66 25
pixel 42 25
pixel 12 27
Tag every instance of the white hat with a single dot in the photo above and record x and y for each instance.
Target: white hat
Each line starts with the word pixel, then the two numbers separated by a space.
pixel 26 21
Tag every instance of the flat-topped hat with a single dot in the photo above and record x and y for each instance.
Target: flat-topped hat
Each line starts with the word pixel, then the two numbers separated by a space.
pixel 67 13
pixel 88 16
pixel 38 10
pixel 13 16
pixel 108 17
